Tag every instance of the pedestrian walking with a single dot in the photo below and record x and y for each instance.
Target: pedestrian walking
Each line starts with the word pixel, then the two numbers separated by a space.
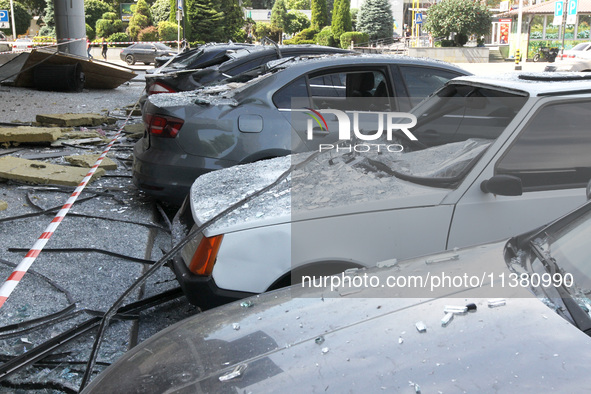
pixel 88 49
pixel 105 49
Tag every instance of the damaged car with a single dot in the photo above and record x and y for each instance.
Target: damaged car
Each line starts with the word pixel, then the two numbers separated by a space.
pixel 225 65
pixel 491 157
pixel 524 328
pixel 248 118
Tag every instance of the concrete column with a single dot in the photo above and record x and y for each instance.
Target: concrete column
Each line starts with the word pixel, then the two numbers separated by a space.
pixel 70 23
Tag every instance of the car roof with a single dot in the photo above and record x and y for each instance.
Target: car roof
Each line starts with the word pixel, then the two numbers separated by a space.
pixel 352 59
pixel 535 84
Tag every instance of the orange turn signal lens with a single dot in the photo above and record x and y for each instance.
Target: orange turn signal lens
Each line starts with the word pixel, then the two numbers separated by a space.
pixel 204 258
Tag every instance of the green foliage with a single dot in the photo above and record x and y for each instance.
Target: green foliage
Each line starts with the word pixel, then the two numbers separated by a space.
pixel 43 39
pixel 354 14
pixel 319 14
pixel 90 34
pixel 48 17
pixel 108 25
pixel 22 18
pixel 94 10
pixel 233 21
pixel 355 36
pixel 239 36
pixel 160 11
pixel 279 14
pixel 296 21
pixel 375 19
pixel 204 20
pixel 140 19
pixel 300 42
pixel 306 36
pixel 150 33
pixel 326 38
pixel 341 18
pixel 168 31
pixel 263 29
pixel 298 4
pixel 462 17
pixel 35 6
pixel 119 37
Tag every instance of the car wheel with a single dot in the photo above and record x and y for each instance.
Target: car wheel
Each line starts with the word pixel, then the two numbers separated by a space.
pixel 129 59
pixel 147 63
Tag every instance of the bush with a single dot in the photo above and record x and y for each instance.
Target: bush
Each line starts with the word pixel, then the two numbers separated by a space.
pixel 306 36
pixel 460 17
pixel 300 42
pixel 263 29
pixel 326 38
pixel 43 39
pixel 118 37
pixel 150 33
pixel 108 25
pixel 355 36
pixel 90 34
pixel 168 31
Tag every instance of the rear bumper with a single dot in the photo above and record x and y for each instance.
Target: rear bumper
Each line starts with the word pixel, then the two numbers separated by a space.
pixel 168 175
pixel 201 291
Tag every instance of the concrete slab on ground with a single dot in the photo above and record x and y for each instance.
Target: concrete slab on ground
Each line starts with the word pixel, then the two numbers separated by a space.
pixel 29 134
pixel 73 120
pixel 42 173
pixel 88 161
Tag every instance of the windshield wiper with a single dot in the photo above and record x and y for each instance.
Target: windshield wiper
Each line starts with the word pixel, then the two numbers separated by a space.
pixel 581 318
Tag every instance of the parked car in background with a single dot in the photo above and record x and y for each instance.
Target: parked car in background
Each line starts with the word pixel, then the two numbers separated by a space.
pixel 189 134
pixel 576 51
pixel 226 65
pixel 494 156
pixel 22 44
pixel 580 63
pixel 144 52
pixel 532 337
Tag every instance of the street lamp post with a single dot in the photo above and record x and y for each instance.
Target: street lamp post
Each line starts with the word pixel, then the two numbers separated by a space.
pixel 13 25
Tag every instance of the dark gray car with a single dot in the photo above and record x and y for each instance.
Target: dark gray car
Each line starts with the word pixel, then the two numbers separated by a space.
pixel 191 133
pixel 509 330
pixel 144 52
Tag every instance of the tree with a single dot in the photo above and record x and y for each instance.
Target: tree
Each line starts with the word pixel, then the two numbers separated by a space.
pixel 298 4
pixel 341 18
pixel 460 18
pixel 160 11
pixel 296 21
pixel 262 4
pixel 94 10
pixel 48 17
pixel 233 18
pixel 141 18
pixel 319 14
pixel 278 14
pixel 108 25
pixel 375 19
pixel 22 18
pixel 329 10
pixel 168 31
pixel 36 7
pixel 205 22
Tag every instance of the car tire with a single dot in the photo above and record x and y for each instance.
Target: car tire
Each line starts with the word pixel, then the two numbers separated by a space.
pixel 129 59
pixel 147 63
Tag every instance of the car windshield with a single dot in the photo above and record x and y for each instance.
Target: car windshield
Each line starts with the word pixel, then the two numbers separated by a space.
pixel 183 60
pixel 454 128
pixel 581 47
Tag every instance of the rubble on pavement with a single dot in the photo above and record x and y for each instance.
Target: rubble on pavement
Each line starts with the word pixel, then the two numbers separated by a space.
pixel 43 173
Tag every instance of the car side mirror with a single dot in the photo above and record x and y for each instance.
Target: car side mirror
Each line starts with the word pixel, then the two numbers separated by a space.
pixel 503 185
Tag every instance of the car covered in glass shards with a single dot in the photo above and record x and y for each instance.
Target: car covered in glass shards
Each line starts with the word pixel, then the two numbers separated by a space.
pixel 248 118
pixel 492 156
pixel 225 65
pixel 519 322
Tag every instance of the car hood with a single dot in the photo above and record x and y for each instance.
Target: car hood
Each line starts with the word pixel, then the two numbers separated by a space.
pixel 328 184
pixel 366 340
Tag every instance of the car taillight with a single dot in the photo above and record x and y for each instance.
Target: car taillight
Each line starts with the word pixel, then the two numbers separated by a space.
pixel 163 126
pixel 200 254
pixel 160 88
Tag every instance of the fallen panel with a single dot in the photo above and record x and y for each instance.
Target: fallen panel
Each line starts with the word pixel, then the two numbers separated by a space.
pixel 29 134
pixel 72 120
pixel 10 69
pixel 38 172
pixel 99 75
pixel 88 161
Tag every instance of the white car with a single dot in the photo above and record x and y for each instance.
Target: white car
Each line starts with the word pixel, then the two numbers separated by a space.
pixel 576 51
pixel 22 44
pixel 580 63
pixel 493 157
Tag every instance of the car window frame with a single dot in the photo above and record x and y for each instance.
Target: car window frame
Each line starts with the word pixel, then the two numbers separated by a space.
pixel 537 109
pixel 404 84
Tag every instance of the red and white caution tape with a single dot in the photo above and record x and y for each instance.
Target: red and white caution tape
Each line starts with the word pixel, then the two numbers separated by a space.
pixel 21 269
pixel 47 44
